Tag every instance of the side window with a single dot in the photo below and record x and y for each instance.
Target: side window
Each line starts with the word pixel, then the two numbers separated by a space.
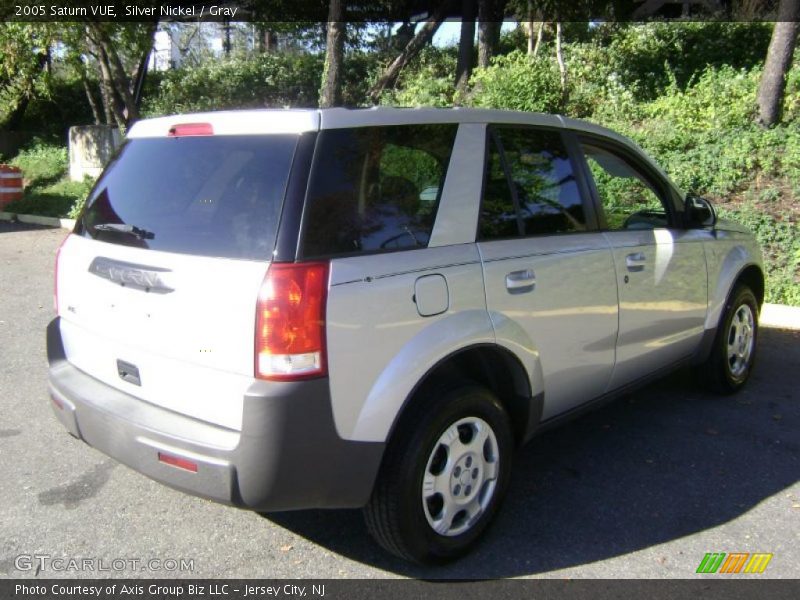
pixel 499 218
pixel 628 198
pixel 530 186
pixel 375 189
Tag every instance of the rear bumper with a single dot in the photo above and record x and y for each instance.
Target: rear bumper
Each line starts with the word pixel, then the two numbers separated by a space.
pixel 287 455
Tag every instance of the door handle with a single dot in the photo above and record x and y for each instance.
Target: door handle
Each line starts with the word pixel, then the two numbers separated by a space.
pixel 518 282
pixel 635 262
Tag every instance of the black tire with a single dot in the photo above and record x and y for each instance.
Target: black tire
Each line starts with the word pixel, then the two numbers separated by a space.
pixel 720 372
pixel 396 515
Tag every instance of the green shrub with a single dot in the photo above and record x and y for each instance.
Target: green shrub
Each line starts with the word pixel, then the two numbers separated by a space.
pixel 518 82
pixel 720 100
pixel 596 90
pixel 779 238
pixel 428 82
pixel 652 57
pixel 273 80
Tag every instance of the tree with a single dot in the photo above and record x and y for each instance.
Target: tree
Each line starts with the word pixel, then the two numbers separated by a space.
pixel 490 21
pixel 412 49
pixel 119 54
pixel 330 93
pixel 466 44
pixel 779 60
pixel 486 29
pixel 24 59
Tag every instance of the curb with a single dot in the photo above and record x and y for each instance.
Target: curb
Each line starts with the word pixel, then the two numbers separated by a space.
pixel 780 316
pixel 38 220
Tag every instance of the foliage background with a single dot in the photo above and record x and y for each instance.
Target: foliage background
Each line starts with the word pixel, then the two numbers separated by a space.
pixel 685 92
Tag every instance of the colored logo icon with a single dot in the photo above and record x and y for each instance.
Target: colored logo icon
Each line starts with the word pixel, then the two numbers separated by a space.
pixel 734 562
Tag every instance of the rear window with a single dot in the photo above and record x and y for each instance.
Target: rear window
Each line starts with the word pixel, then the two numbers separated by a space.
pixel 204 195
pixel 375 189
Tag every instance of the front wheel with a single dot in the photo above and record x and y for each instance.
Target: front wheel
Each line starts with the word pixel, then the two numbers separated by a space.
pixel 445 472
pixel 733 355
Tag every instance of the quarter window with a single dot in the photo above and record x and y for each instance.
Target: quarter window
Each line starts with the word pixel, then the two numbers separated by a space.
pixel 530 187
pixel 375 189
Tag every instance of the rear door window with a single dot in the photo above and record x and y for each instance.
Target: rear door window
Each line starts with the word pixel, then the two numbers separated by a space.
pixel 375 189
pixel 204 195
pixel 530 187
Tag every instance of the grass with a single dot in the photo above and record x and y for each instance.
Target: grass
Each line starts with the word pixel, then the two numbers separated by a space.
pixel 48 189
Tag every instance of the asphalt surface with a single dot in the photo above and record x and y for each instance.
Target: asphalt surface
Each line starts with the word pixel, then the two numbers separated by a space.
pixel 641 488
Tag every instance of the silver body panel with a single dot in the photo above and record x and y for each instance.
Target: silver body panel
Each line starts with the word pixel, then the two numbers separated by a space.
pixel 379 347
pixel 728 253
pixel 569 315
pixel 662 298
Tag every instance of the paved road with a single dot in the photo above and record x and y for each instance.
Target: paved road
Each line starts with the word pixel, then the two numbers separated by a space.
pixel 642 488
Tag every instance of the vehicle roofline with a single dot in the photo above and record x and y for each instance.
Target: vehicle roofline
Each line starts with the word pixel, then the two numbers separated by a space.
pixel 312 119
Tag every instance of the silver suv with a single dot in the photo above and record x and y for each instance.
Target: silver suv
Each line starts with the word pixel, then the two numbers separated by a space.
pixel 372 308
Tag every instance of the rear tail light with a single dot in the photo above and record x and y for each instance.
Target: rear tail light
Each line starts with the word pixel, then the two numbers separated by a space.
pixel 55 283
pixel 290 322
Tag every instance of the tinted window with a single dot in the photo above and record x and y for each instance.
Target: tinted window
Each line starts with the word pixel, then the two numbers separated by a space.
pixel 629 200
pixel 375 189
pixel 542 186
pixel 499 217
pixel 212 196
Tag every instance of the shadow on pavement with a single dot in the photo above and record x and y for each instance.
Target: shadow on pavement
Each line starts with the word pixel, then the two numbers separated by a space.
pixel 663 463
pixel 15 226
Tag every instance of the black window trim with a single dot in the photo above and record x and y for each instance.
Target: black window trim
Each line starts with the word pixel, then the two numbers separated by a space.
pixel 578 168
pixel 287 238
pixel 664 190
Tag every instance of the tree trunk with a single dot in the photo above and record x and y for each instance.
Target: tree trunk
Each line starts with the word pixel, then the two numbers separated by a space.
pixel 539 38
pixel 113 72
pixel 529 26
pixel 105 98
pixel 331 92
pixel 90 96
pixel 485 32
pixel 779 60
pixel 226 44
pixel 413 48
pixel 140 74
pixel 269 41
pixel 110 97
pixel 466 45
pixel 562 66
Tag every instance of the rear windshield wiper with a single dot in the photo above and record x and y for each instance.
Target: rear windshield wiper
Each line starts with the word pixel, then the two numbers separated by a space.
pixel 140 233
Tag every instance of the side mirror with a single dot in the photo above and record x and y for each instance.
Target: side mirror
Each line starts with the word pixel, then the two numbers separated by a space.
pixel 698 212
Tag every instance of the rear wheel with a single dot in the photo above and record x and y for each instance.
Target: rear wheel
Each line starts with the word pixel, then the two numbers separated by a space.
pixel 445 472
pixel 734 352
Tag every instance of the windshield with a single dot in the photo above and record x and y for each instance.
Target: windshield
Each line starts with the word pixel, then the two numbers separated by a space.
pixel 205 195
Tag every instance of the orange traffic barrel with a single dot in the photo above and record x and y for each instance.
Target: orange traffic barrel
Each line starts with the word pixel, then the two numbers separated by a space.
pixel 10 184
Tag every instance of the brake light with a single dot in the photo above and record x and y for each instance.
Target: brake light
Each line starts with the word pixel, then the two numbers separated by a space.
pixel 55 282
pixel 184 129
pixel 290 322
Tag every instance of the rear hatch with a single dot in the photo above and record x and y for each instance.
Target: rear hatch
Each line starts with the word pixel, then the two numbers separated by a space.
pixel 157 287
